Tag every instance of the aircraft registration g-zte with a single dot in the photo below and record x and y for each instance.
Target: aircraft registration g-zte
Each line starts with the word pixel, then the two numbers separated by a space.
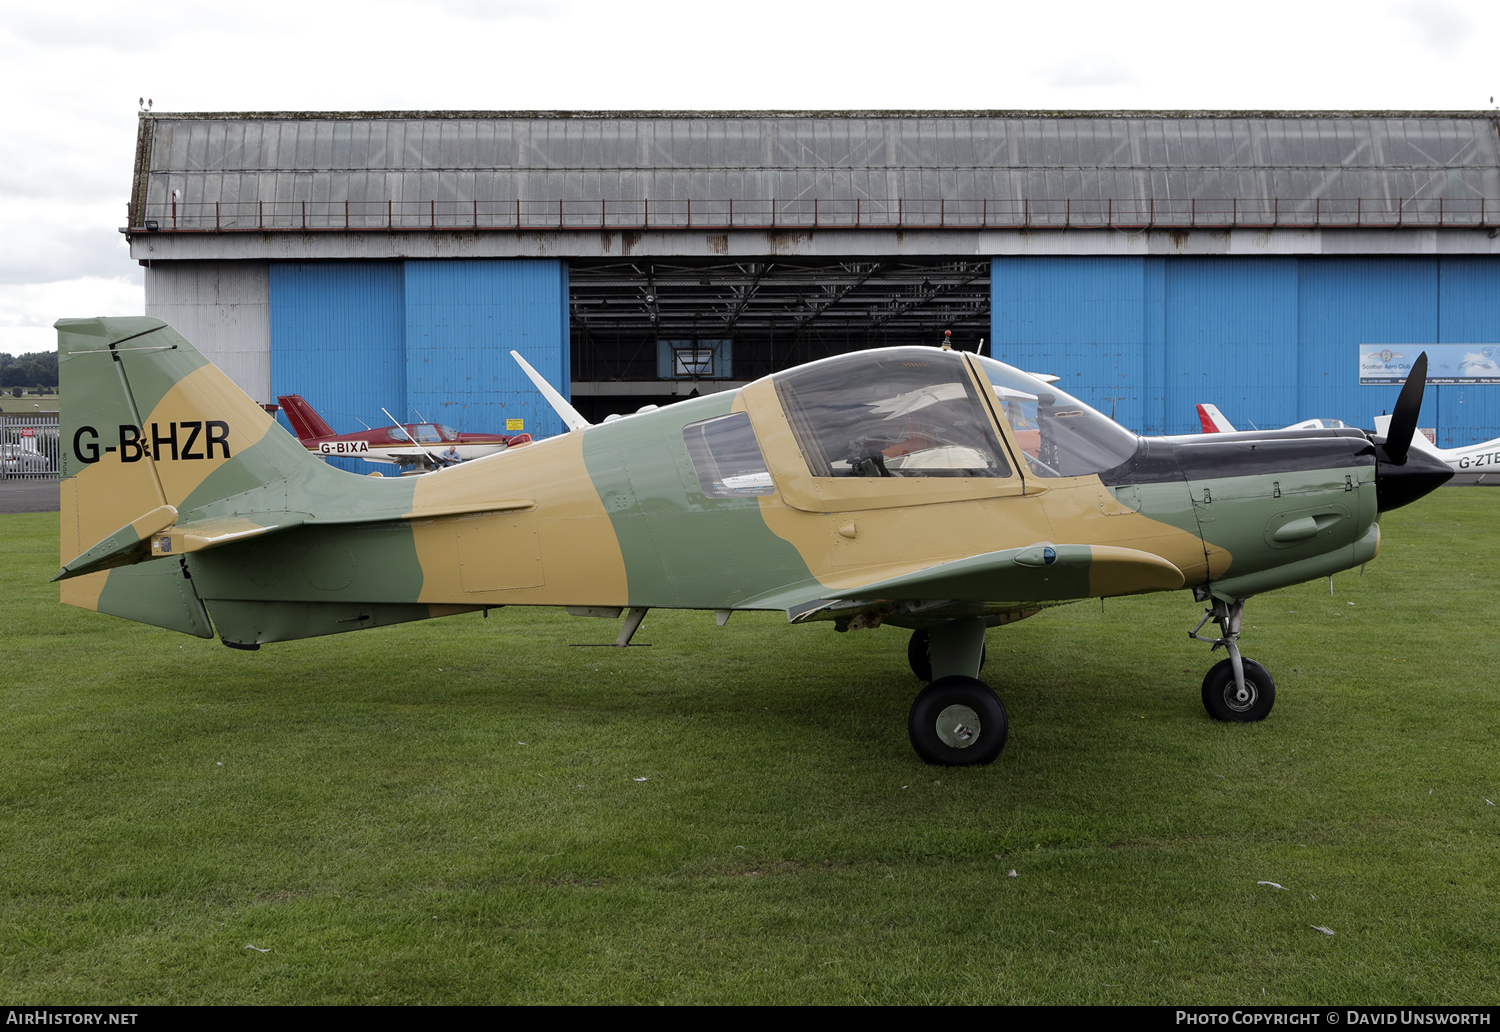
pixel 932 489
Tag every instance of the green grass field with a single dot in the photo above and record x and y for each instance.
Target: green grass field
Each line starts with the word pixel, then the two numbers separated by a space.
pixel 28 403
pixel 451 812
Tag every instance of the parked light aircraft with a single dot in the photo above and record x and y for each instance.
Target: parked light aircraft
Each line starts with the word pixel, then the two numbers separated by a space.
pixel 416 446
pixel 1471 458
pixel 930 489
pixel 1214 422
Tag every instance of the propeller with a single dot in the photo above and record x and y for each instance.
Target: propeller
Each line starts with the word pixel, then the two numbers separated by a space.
pixel 1404 416
pixel 1401 475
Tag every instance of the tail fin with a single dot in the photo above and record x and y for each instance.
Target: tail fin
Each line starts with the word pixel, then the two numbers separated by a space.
pixel 153 435
pixel 1213 421
pixel 304 418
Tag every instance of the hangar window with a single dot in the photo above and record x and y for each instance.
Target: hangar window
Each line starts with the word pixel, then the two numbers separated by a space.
pixel 727 458
pixel 901 412
pixel 1059 435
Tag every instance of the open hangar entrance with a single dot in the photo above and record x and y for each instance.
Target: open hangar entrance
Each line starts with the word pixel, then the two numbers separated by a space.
pixel 653 330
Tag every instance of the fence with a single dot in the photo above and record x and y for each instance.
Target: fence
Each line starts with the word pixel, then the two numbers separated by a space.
pixel 29 446
pixel 817 213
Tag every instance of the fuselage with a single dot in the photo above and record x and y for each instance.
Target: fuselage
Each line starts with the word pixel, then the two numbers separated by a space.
pixel 636 513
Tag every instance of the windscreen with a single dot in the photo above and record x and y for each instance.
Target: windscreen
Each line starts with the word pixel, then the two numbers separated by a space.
pixel 899 412
pixel 1059 435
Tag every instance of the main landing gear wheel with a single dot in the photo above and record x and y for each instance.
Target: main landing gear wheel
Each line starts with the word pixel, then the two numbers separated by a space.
pixel 919 655
pixel 958 722
pixel 1224 701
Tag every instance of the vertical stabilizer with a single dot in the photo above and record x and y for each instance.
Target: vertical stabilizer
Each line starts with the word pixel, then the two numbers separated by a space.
pixel 308 425
pixel 154 436
pixel 1212 420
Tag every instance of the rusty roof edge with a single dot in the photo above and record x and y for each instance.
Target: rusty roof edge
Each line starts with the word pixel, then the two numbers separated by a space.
pixel 140 179
pixel 1060 113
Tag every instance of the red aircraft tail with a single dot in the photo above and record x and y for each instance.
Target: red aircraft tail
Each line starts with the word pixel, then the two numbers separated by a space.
pixel 305 421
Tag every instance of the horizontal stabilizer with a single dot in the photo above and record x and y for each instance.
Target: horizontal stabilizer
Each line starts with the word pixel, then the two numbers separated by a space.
pixel 1037 573
pixel 130 544
pixel 158 533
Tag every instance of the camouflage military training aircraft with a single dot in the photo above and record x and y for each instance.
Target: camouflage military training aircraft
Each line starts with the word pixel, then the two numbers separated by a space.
pixel 931 489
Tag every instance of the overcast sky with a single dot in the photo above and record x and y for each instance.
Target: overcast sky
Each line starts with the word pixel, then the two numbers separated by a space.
pixel 76 69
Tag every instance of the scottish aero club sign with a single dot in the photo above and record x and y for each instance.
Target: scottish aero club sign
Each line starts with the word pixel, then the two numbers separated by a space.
pixel 1446 363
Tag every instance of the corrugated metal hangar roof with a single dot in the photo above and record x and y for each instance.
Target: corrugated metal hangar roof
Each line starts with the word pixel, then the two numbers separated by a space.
pixel 575 170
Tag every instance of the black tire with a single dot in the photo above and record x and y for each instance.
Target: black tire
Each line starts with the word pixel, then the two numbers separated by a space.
pixel 919 655
pixel 958 722
pixel 1220 697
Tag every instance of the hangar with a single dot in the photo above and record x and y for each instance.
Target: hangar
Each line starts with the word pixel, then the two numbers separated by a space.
pixel 1153 260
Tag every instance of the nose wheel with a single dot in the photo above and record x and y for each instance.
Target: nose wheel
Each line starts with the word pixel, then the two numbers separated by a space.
pixel 1238 703
pixel 1236 689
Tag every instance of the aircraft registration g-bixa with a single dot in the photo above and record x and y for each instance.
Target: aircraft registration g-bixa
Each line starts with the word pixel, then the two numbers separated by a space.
pixel 931 489
pixel 419 447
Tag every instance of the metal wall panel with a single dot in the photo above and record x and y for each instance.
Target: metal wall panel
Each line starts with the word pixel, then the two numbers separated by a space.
pixel 462 319
pixel 1469 313
pixel 337 339
pixel 1271 341
pixel 1078 318
pixel 1231 338
pixel 224 310
pixel 1347 302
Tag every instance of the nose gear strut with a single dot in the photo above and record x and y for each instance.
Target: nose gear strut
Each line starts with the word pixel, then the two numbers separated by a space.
pixel 1235 689
pixel 1228 618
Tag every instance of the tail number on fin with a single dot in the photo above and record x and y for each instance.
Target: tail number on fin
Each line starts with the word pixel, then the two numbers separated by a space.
pixel 133 446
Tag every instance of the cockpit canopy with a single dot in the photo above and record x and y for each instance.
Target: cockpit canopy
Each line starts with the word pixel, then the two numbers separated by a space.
pixel 901 412
pixel 915 412
pixel 1060 435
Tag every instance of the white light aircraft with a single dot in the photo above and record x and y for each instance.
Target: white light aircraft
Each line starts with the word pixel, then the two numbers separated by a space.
pixel 1473 458
pixel 1214 422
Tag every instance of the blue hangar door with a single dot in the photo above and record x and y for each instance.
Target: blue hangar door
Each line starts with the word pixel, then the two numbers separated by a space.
pixel 428 337
pixel 1271 341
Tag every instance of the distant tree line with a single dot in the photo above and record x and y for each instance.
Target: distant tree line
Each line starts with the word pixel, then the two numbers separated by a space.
pixel 38 369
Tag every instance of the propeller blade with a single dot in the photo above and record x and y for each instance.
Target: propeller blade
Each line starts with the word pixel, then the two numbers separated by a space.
pixel 1404 415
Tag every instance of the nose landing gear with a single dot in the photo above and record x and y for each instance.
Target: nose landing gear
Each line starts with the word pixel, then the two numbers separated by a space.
pixel 1235 689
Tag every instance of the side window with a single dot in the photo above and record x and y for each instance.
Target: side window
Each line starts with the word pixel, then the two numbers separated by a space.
pixel 396 433
pixel 727 458
pixel 427 433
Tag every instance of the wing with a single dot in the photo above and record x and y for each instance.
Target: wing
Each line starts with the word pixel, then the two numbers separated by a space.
pixel 1041 572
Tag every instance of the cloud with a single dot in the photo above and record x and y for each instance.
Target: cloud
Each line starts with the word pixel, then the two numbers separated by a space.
pixel 1090 71
pixel 1444 27
pixel 506 10
pixel 52 241
pixel 27 311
